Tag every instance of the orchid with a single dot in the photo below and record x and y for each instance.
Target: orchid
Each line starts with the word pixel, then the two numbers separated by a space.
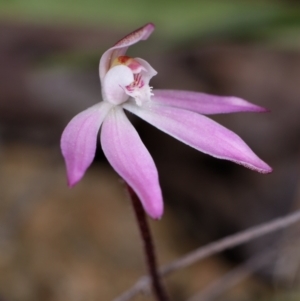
pixel 125 85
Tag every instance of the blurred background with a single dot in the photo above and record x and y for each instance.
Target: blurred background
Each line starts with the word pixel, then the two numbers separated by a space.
pixel 79 244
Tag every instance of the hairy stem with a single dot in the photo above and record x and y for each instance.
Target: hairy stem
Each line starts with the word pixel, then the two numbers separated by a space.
pixel 141 217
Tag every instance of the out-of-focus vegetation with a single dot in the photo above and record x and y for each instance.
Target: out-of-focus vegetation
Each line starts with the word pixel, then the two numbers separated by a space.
pixel 180 19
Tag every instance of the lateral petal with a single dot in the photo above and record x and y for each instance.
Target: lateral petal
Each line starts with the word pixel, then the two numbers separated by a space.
pixel 199 132
pixel 204 103
pixel 79 140
pixel 129 157
pixel 121 47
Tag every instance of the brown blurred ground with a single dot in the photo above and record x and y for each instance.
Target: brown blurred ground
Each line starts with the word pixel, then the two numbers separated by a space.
pixel 80 244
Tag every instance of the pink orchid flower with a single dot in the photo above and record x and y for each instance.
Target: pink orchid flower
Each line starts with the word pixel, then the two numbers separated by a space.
pixel 125 85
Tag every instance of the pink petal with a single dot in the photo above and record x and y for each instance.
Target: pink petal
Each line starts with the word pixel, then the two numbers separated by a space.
pixel 79 139
pixel 121 47
pixel 199 132
pixel 204 103
pixel 129 157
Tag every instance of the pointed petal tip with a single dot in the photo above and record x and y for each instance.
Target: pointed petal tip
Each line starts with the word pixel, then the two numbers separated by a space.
pixel 157 218
pixel 145 31
pixel 149 27
pixel 73 179
pixel 152 202
pixel 265 110
pixel 155 213
pixel 247 106
pixel 71 183
pixel 259 109
pixel 267 170
pixel 262 167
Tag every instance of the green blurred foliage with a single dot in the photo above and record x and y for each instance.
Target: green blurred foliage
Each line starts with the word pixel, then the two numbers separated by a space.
pixel 176 18
pixel 276 23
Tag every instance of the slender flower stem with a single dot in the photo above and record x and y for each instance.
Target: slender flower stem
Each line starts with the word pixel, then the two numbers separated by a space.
pixel 157 286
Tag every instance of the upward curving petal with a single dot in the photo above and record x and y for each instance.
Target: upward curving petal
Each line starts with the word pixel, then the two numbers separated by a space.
pixel 204 103
pixel 129 157
pixel 121 47
pixel 79 140
pixel 199 132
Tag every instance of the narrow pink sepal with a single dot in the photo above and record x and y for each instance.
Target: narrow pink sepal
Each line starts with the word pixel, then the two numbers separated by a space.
pixel 129 157
pixel 121 47
pixel 200 132
pixel 204 103
pixel 79 140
